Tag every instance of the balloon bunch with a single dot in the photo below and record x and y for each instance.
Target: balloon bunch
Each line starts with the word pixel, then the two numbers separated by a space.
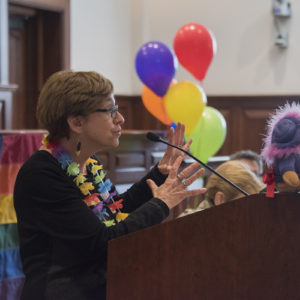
pixel 171 101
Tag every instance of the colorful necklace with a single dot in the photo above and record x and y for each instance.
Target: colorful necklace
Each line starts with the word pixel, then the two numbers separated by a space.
pixel 98 190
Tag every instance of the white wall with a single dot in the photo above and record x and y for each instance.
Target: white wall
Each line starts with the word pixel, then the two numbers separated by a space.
pixel 101 39
pixel 106 34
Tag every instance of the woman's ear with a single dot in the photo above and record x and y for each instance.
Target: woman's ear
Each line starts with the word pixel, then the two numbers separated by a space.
pixel 75 123
pixel 219 198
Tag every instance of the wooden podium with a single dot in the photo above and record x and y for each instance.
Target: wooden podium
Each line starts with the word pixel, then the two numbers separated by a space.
pixel 245 249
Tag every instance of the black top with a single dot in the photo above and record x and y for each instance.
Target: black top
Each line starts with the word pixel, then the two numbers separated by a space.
pixel 63 245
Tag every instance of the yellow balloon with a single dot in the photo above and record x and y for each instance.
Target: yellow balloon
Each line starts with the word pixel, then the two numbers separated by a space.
pixel 185 102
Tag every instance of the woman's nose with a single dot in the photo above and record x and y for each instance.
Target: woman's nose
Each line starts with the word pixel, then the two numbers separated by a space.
pixel 119 118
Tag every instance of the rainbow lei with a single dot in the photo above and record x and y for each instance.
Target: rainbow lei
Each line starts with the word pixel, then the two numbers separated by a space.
pixel 95 187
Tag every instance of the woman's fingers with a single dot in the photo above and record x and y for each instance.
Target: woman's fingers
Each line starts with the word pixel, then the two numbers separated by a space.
pixel 152 185
pixel 193 193
pixel 187 145
pixel 188 170
pixel 176 138
pixel 176 165
pixel 194 177
pixel 179 134
pixel 171 192
pixel 181 137
pixel 171 140
pixel 171 136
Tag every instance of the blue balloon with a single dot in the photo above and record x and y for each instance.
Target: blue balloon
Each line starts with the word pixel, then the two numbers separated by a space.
pixel 174 125
pixel 156 65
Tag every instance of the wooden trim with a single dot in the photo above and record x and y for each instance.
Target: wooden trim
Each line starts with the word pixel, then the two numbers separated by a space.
pixel 40 53
pixel 8 87
pixel 2 113
pixel 20 10
pixel 6 109
pixel 66 36
pixel 54 5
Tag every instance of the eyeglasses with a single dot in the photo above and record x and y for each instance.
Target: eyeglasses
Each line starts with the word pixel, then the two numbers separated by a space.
pixel 113 111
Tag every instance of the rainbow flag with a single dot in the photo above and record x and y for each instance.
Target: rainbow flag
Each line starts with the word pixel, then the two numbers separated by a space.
pixel 15 149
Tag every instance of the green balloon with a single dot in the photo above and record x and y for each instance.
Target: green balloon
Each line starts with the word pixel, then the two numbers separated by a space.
pixel 208 135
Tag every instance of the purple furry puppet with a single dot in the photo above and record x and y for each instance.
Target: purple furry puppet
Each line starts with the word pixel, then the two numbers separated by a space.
pixel 281 151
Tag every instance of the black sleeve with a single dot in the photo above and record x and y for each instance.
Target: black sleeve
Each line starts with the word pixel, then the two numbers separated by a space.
pixel 140 192
pixel 47 201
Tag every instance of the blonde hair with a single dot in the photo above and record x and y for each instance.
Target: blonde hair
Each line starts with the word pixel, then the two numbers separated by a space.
pixel 238 173
pixel 68 93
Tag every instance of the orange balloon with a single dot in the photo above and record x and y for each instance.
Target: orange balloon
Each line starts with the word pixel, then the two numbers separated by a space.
pixel 155 105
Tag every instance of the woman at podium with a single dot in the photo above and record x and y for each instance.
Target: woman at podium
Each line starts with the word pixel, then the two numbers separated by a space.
pixel 67 208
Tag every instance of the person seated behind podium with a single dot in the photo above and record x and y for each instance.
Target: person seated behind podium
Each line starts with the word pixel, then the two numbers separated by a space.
pixel 67 209
pixel 220 192
pixel 251 158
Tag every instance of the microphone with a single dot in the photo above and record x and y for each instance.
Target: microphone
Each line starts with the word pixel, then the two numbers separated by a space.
pixel 155 138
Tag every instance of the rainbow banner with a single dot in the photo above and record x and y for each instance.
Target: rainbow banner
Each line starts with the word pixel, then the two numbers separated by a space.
pixel 15 149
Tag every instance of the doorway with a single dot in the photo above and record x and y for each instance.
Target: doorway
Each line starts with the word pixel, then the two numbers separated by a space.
pixel 37 49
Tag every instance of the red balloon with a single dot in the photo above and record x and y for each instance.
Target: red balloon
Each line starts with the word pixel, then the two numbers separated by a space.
pixel 195 47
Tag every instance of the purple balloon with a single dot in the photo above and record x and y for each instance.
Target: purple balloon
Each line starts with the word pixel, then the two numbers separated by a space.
pixel 155 65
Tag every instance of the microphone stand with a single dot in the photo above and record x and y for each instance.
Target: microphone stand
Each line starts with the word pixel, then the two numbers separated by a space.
pixel 158 139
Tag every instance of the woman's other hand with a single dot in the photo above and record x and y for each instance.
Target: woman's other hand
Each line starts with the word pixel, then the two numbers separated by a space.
pixel 176 138
pixel 173 191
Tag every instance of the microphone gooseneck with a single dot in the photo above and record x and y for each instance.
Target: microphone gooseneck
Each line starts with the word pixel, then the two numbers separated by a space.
pixel 155 138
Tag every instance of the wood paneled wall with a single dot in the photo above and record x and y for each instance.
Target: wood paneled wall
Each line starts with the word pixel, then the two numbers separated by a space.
pixel 136 115
pixel 245 116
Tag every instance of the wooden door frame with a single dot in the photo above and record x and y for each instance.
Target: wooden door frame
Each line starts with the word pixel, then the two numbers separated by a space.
pixel 61 6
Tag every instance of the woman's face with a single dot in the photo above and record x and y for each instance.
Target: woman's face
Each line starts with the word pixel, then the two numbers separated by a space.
pixel 100 129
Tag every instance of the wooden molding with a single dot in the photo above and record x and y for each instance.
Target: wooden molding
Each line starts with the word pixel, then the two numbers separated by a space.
pixel 20 10
pixel 8 87
pixel 54 5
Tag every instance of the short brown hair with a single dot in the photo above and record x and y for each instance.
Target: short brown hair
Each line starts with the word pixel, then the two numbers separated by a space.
pixel 238 173
pixel 68 93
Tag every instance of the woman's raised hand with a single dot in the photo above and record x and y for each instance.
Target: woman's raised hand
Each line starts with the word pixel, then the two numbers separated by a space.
pixel 171 154
pixel 173 190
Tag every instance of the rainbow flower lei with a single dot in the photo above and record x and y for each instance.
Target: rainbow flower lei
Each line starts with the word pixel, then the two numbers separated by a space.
pixel 97 189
